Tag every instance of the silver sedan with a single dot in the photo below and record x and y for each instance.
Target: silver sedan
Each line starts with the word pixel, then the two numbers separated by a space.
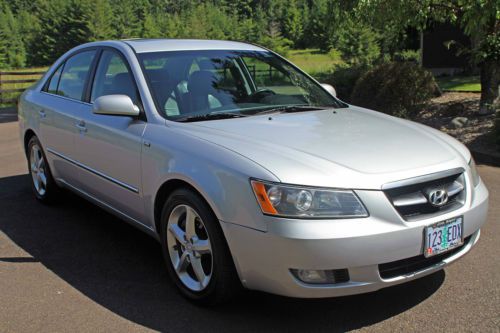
pixel 248 171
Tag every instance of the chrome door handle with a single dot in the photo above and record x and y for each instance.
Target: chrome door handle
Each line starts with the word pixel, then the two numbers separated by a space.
pixel 42 113
pixel 81 126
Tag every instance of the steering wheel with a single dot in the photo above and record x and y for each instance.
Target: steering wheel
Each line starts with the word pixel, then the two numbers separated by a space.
pixel 260 94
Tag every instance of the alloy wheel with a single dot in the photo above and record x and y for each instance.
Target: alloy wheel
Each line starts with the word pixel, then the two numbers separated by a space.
pixel 38 170
pixel 189 248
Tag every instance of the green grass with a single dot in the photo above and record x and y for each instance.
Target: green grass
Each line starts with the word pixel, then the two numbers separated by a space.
pixel 459 83
pixel 313 61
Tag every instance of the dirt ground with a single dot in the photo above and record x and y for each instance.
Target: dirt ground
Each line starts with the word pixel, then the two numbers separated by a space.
pixel 477 133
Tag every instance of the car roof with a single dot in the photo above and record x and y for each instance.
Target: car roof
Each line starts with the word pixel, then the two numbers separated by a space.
pixel 159 45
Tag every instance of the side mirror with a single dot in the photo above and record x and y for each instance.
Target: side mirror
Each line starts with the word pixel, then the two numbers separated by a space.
pixel 115 105
pixel 330 89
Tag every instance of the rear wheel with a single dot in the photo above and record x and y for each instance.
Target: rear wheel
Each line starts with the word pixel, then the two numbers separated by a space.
pixel 43 185
pixel 196 253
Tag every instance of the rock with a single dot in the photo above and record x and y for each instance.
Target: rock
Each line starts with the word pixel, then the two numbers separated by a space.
pixel 459 122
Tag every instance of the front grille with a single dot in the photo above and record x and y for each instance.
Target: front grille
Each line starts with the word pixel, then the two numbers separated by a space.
pixel 415 264
pixel 412 203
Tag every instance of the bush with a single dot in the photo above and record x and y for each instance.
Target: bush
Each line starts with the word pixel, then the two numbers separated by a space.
pixel 343 80
pixel 395 88
pixel 407 56
pixel 335 55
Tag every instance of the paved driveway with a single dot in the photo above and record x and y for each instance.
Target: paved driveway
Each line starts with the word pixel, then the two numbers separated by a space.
pixel 74 267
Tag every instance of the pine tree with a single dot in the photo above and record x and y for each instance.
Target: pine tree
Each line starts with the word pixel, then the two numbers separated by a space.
pixel 292 22
pixel 101 20
pixel 151 27
pixel 44 48
pixel 75 29
pixel 13 52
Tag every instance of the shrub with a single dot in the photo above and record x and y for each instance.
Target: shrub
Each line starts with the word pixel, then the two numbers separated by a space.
pixel 335 55
pixel 407 55
pixel 395 88
pixel 343 80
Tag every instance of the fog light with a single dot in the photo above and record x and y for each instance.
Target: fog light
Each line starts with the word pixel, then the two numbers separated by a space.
pixel 312 276
pixel 315 276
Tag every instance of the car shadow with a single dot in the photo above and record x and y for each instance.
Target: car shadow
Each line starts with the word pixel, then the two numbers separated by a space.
pixel 8 115
pixel 121 269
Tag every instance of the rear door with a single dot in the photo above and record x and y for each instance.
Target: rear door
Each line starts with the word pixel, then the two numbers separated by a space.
pixel 60 104
pixel 109 147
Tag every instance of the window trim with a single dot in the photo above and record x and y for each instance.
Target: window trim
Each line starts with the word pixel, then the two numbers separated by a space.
pixel 91 81
pixel 47 83
pixel 63 64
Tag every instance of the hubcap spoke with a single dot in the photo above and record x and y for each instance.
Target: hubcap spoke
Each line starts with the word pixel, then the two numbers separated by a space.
pixel 178 233
pixel 43 179
pixel 202 246
pixel 183 263
pixel 39 163
pixel 34 168
pixel 198 270
pixel 190 223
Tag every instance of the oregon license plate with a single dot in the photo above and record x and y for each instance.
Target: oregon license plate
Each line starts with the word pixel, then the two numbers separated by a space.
pixel 443 236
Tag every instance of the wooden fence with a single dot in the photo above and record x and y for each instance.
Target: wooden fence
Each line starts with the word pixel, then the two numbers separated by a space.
pixel 13 83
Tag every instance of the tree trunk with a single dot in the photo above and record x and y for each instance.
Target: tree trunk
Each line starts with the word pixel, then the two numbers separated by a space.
pixel 490 87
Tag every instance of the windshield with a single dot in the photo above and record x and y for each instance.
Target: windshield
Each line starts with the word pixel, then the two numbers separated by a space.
pixel 211 82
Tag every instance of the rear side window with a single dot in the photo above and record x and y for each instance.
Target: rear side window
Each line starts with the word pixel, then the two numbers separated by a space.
pixel 113 78
pixel 74 75
pixel 54 81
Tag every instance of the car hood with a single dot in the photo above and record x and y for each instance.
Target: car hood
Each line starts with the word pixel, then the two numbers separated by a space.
pixel 346 148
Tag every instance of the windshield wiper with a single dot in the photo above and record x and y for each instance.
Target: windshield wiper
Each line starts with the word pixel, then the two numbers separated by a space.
pixel 291 108
pixel 209 116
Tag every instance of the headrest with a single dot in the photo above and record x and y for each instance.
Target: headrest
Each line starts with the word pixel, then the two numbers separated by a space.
pixel 203 82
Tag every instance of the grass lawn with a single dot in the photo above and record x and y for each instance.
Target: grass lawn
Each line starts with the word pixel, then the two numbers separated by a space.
pixel 313 61
pixel 459 83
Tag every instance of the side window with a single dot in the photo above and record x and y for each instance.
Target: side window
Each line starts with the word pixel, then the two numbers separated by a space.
pixel 54 81
pixel 113 78
pixel 74 75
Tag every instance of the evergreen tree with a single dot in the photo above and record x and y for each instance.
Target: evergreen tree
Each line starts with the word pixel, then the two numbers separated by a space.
pixel 316 35
pixel 12 46
pixel 126 19
pixel 293 28
pixel 45 46
pixel 75 25
pixel 101 20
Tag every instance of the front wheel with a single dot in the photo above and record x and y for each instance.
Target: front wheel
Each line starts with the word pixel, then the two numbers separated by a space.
pixel 196 253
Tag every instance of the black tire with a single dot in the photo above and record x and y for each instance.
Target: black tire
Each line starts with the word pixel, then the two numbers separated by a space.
pixel 224 284
pixel 51 190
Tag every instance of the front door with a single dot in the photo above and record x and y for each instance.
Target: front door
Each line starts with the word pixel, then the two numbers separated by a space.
pixel 109 147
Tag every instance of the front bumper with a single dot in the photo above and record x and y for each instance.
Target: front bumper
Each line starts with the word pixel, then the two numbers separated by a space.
pixel 264 259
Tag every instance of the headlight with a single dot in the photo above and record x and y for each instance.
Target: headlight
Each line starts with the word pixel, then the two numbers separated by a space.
pixel 473 172
pixel 305 202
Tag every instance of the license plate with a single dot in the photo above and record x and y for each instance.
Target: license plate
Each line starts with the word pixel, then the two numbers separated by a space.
pixel 443 236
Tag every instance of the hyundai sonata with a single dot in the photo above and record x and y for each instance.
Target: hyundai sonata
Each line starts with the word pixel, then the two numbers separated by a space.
pixel 248 171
